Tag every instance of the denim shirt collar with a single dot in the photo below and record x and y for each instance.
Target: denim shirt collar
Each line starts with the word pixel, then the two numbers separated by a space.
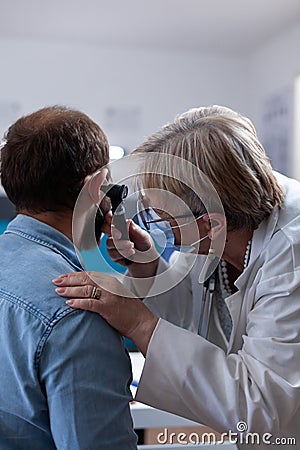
pixel 43 234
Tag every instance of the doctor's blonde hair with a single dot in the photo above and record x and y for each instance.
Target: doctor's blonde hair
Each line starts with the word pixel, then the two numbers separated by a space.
pixel 224 146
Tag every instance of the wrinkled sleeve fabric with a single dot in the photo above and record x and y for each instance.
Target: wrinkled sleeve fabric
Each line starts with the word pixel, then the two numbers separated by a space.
pixel 86 373
pixel 189 376
pixel 170 296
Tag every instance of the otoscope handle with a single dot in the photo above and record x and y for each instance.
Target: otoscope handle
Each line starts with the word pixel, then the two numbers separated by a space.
pixel 119 222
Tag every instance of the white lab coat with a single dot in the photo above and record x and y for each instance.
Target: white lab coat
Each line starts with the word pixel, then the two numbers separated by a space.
pixel 256 377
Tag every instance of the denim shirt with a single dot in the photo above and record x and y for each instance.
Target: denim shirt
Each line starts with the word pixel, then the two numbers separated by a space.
pixel 64 373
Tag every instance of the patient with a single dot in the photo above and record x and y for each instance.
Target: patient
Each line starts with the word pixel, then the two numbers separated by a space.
pixel 64 373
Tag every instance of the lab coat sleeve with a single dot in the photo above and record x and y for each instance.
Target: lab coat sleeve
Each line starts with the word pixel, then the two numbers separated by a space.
pixel 174 304
pixel 260 384
pixel 170 296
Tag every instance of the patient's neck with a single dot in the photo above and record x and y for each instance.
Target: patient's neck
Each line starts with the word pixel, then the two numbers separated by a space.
pixel 60 220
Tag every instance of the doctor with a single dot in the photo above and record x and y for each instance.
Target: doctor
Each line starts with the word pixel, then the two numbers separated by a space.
pixel 246 367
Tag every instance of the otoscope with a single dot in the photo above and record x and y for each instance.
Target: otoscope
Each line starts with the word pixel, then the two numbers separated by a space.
pixel 117 193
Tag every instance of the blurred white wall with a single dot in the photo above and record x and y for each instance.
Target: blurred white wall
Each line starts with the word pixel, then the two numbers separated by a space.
pixel 151 87
pixel 155 85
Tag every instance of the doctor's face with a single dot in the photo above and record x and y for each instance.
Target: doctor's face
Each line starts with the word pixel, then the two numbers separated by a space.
pixel 161 213
pixel 185 234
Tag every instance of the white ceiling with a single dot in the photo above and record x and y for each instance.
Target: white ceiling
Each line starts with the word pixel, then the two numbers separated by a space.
pixel 218 26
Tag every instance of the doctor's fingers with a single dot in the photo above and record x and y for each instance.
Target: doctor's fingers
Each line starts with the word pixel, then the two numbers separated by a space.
pixel 88 304
pixel 119 249
pixel 76 291
pixel 99 280
pixel 80 279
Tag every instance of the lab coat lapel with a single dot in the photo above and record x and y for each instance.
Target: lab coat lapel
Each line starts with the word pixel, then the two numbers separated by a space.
pixel 242 301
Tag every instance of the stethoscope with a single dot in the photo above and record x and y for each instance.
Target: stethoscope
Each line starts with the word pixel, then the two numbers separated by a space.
pixel 209 287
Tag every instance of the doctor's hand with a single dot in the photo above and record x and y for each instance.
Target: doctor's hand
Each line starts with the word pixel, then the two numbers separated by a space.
pixel 108 297
pixel 140 249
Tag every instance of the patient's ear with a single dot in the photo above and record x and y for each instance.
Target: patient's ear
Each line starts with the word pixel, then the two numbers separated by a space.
pixel 95 182
pixel 216 225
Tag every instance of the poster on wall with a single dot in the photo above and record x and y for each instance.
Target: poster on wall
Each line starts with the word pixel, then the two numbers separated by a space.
pixel 277 129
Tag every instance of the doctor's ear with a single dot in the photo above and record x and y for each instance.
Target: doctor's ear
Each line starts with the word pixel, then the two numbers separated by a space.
pixel 215 224
pixel 95 182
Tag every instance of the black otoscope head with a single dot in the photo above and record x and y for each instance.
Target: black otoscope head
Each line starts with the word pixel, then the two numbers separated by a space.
pixel 116 193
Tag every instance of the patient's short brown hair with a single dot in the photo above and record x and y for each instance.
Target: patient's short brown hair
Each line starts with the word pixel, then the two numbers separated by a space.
pixel 47 156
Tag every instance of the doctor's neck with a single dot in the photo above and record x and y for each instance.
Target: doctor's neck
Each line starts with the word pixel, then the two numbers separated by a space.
pixel 236 247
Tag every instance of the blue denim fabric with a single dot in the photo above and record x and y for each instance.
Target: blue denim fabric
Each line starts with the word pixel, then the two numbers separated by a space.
pixel 64 374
